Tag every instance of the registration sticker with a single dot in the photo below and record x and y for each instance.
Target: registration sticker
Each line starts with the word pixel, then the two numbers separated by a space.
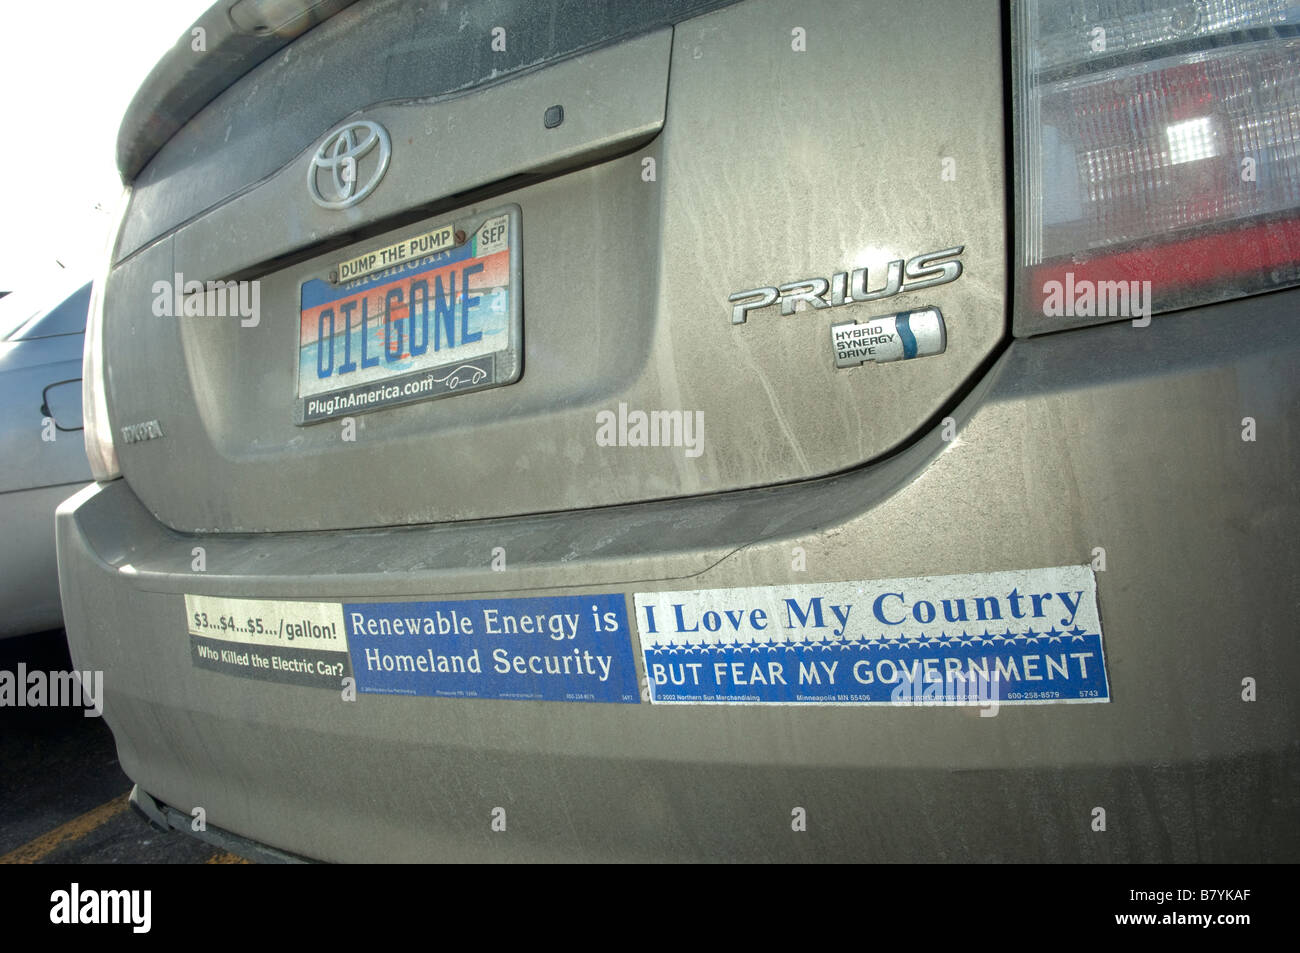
pixel 999 638
pixel 433 315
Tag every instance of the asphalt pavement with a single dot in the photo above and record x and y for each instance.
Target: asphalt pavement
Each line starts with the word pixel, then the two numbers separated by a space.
pixel 63 795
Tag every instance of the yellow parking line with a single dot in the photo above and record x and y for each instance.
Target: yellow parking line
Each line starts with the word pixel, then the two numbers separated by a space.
pixel 225 857
pixel 74 829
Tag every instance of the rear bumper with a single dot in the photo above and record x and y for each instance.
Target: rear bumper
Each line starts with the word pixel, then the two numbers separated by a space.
pixel 165 819
pixel 1114 437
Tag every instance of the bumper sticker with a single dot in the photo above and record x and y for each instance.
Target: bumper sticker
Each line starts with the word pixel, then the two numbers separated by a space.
pixel 987 639
pixel 566 648
pixel 558 648
pixel 300 643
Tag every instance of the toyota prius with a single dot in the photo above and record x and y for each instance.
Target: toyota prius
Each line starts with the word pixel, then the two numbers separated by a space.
pixel 704 430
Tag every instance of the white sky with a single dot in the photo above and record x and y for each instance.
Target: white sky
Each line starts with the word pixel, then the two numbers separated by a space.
pixel 67 72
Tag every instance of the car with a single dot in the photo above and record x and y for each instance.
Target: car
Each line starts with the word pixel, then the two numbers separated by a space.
pixel 465 374
pixel 41 448
pixel 886 447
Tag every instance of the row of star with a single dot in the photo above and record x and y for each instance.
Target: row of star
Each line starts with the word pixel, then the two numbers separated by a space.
pixel 1029 637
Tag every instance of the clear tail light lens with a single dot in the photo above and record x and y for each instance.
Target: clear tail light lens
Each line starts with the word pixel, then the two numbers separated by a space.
pixel 1157 141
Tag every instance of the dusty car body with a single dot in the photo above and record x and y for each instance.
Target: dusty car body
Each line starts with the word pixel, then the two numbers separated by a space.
pixel 354 616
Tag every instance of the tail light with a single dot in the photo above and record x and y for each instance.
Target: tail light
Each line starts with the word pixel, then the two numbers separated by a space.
pixel 98 433
pixel 1157 141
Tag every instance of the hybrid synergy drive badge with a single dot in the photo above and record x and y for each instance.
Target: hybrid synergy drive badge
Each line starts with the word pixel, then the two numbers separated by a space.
pixel 891 337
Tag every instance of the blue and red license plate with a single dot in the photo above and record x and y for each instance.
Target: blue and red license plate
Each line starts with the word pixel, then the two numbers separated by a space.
pixel 410 324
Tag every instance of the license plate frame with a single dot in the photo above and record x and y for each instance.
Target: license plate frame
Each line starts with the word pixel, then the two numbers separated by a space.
pixel 471 293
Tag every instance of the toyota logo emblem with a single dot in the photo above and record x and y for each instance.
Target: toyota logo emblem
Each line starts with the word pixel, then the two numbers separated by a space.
pixel 335 170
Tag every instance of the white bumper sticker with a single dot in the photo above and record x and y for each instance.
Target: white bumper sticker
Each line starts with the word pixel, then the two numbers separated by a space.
pixel 301 643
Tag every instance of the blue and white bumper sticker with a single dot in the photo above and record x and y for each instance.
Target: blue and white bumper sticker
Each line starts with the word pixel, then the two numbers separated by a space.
pixel 557 648
pixel 1021 637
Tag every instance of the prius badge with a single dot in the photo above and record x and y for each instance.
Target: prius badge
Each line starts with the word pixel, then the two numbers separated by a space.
pixel 882 339
pixel 923 271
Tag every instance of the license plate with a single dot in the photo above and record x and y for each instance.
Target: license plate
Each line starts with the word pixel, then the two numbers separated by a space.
pixel 414 326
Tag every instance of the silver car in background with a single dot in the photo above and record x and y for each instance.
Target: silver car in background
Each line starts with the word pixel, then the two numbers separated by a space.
pixel 874 432
pixel 42 453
